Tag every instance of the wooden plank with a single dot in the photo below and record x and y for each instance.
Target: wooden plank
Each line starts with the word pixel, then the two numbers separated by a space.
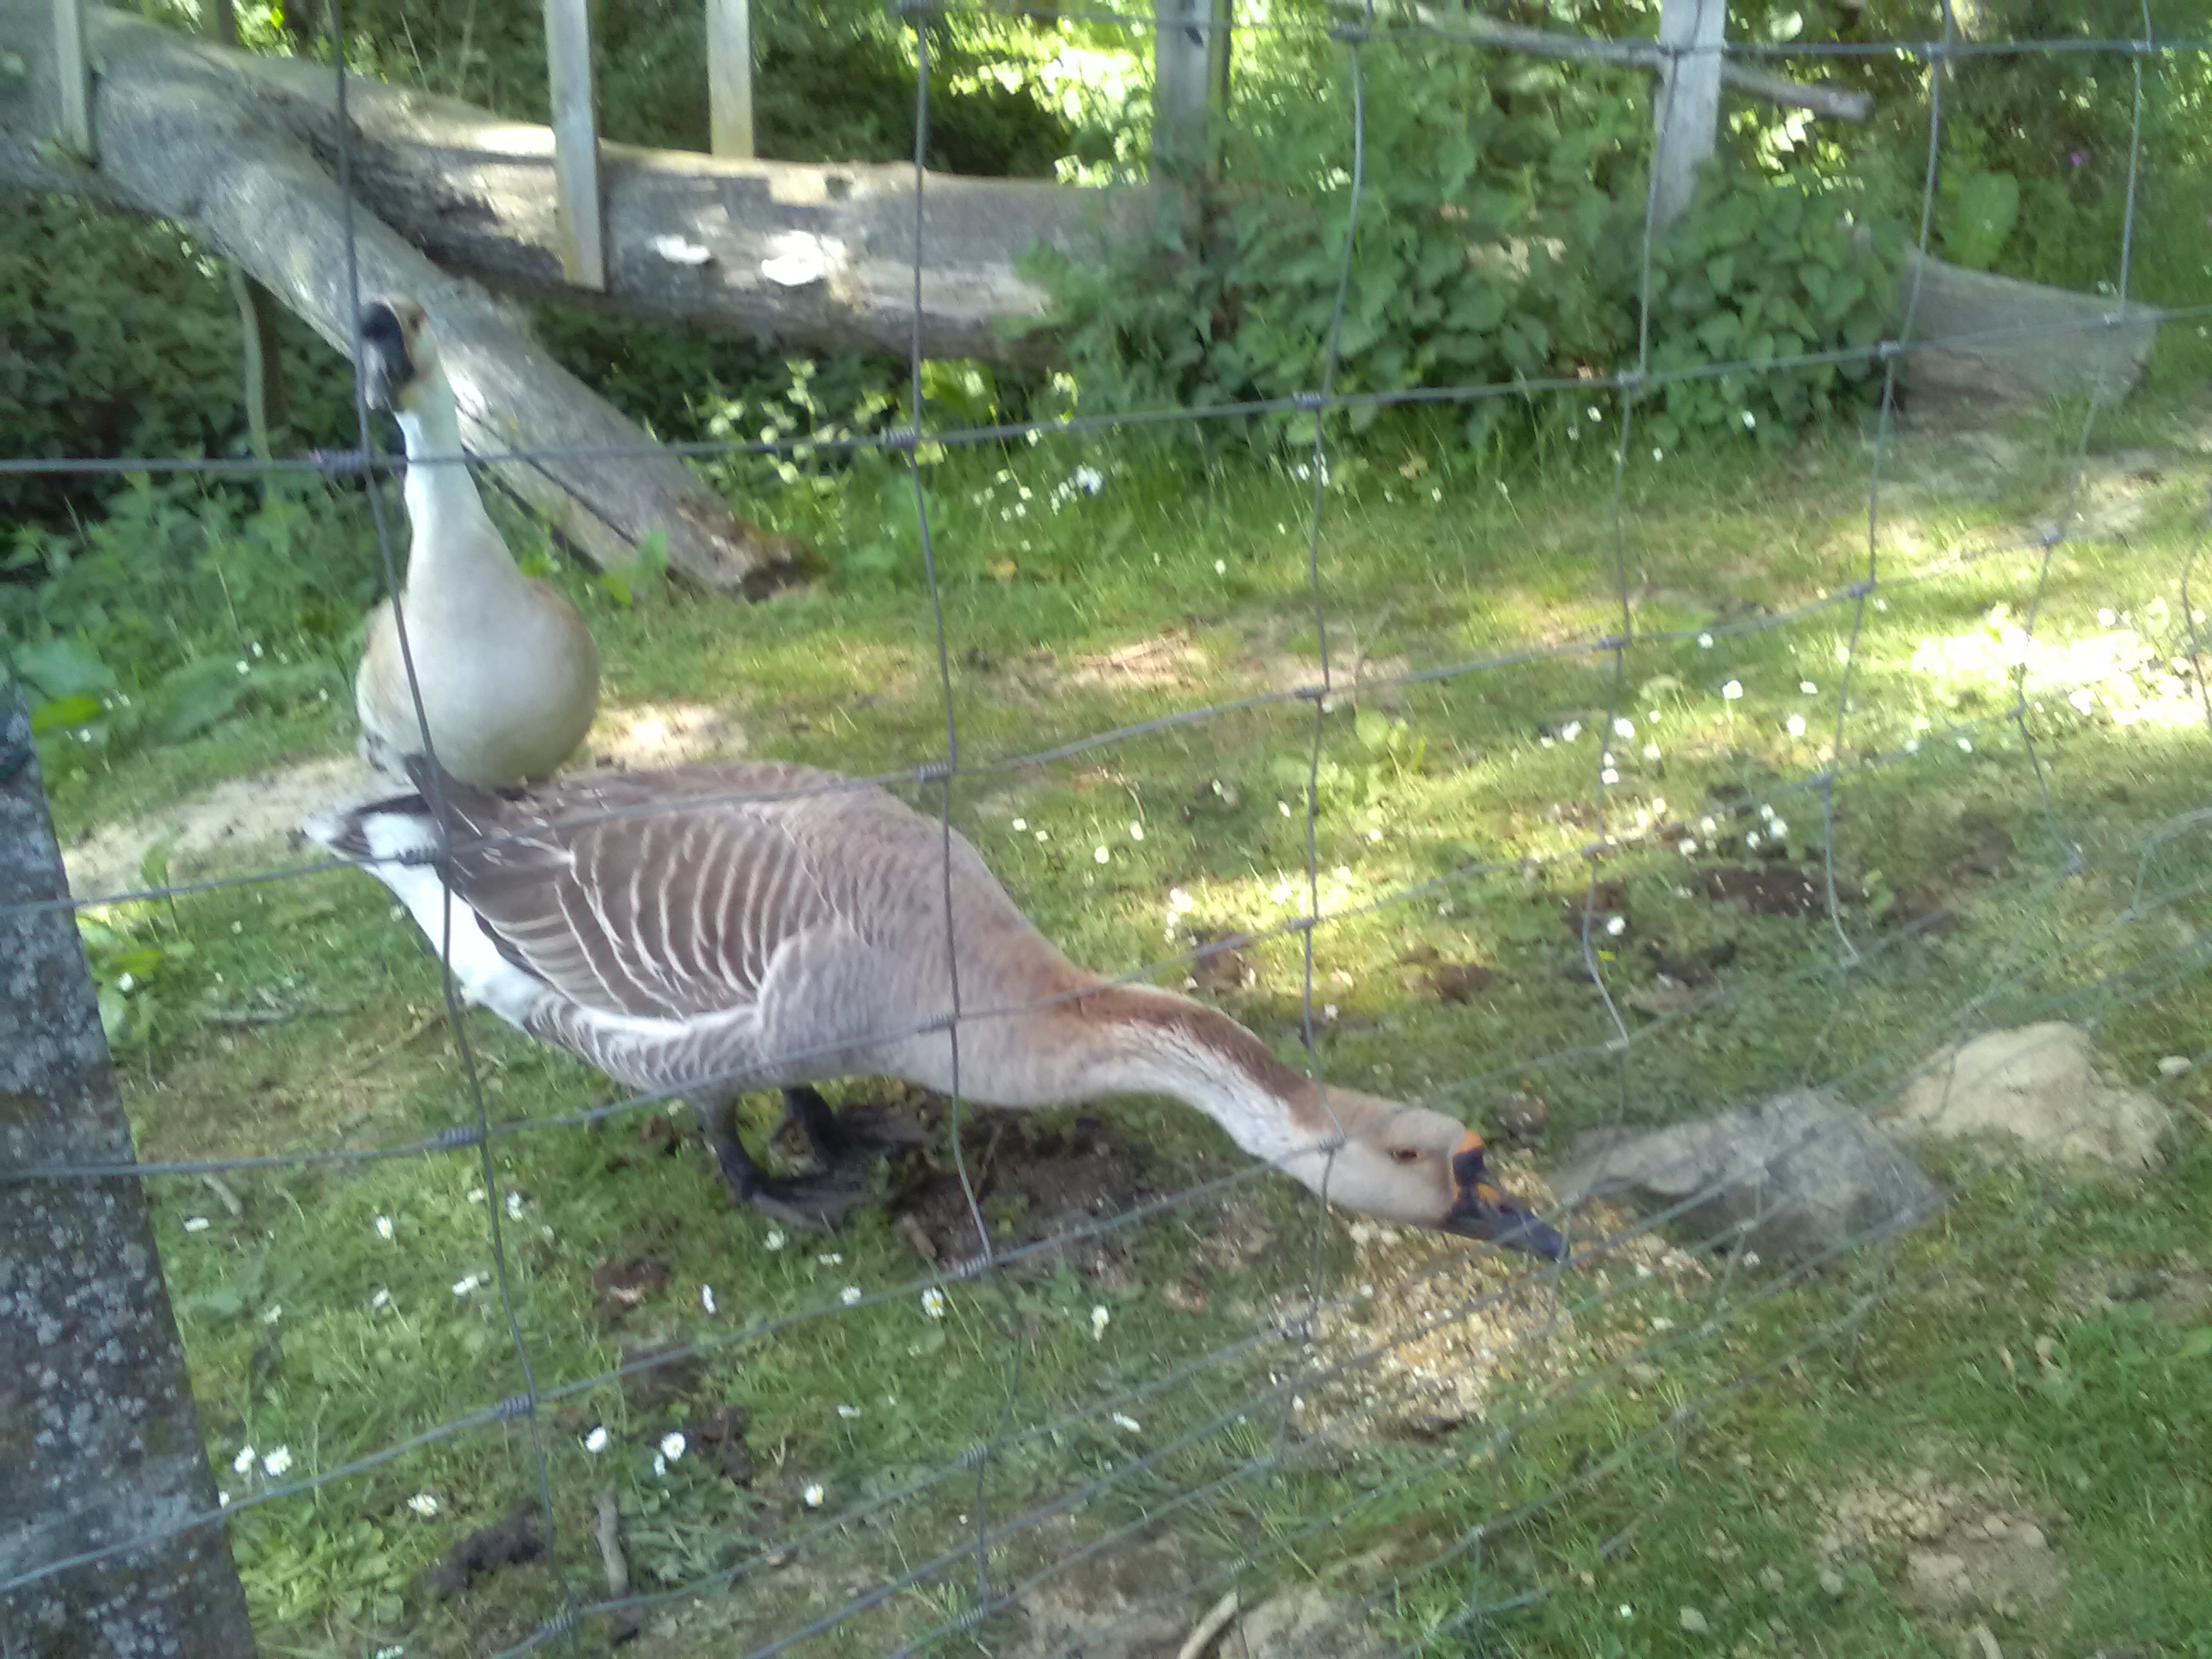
pixel 730 77
pixel 73 66
pixel 1688 108
pixel 575 141
pixel 1840 103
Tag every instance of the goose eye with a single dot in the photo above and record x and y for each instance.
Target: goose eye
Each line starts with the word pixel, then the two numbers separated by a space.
pixel 1405 1155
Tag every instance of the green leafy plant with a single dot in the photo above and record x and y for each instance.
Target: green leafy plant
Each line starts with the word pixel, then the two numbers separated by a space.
pixel 1979 211
pixel 1499 219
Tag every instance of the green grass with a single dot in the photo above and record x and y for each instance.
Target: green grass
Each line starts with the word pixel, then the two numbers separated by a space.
pixel 1645 1483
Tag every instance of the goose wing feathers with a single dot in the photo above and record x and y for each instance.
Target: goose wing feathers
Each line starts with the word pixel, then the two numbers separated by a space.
pixel 671 895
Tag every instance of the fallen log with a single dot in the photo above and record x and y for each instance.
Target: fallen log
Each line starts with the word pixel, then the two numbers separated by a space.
pixel 809 254
pixel 176 141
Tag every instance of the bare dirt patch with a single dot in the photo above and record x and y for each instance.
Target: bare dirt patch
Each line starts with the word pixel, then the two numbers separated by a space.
pixel 1171 658
pixel 650 734
pixel 233 824
pixel 1775 890
pixel 1426 1331
pixel 1959 1552
pixel 1034 1179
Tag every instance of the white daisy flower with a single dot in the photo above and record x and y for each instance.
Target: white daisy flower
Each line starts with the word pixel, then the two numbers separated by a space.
pixel 1732 690
pixel 196 1224
pixel 850 1295
pixel 706 1298
pixel 424 1504
pixel 813 1495
pixel 277 1462
pixel 1100 1317
pixel 595 1441
pixel 243 1463
pixel 1128 1424
pixel 775 1239
pixel 672 1446
pixel 383 1226
pixel 932 1302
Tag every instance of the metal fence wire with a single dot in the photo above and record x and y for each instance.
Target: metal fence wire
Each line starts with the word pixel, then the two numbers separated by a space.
pixel 1304 1387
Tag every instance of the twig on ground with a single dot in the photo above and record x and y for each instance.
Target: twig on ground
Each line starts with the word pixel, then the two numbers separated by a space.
pixel 1217 1620
pixel 608 1535
pixel 221 1189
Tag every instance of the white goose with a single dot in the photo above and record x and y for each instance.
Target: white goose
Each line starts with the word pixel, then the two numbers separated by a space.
pixel 713 929
pixel 509 676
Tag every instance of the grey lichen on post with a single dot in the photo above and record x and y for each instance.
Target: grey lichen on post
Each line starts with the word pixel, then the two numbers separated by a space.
pixel 1687 110
pixel 99 1440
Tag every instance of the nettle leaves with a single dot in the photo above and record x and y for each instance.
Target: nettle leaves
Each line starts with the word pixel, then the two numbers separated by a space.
pixel 1500 237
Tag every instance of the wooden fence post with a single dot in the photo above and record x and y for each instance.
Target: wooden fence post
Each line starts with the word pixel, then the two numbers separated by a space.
pixel 1190 77
pixel 729 76
pixel 1687 109
pixel 100 1439
pixel 73 65
pixel 575 141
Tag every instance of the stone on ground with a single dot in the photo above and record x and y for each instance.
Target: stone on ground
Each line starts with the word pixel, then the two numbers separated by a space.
pixel 2040 1085
pixel 1796 1177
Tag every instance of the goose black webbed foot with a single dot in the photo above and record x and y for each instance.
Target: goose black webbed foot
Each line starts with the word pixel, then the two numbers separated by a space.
pixel 812 1203
pixel 838 1140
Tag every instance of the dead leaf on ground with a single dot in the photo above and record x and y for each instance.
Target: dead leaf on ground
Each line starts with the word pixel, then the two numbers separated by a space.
pixel 623 1285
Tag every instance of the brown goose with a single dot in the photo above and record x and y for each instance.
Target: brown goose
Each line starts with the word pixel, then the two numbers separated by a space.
pixel 509 676
pixel 683 940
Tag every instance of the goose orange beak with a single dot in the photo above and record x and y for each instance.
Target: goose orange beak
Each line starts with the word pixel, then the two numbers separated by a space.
pixel 1488 1213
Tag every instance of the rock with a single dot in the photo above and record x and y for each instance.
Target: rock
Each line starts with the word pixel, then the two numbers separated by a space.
pixel 1801 1175
pixel 1773 1580
pixel 2040 1085
pixel 1304 1621
pixel 1693 1621
pixel 1994 341
pixel 1831 1581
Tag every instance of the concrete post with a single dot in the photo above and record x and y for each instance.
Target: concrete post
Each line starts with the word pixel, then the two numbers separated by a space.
pixel 99 1439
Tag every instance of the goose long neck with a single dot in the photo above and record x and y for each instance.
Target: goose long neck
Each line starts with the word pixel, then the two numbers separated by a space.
pixel 454 539
pixel 1133 1040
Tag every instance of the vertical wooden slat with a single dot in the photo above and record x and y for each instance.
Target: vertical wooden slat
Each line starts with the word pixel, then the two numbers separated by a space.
pixel 74 65
pixel 575 141
pixel 1687 108
pixel 1190 73
pixel 729 76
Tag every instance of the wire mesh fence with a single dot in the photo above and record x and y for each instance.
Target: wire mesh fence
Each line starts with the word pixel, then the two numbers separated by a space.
pixel 1297 1383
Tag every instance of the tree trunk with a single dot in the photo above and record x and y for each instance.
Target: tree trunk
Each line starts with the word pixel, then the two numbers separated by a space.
pixel 99 1438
